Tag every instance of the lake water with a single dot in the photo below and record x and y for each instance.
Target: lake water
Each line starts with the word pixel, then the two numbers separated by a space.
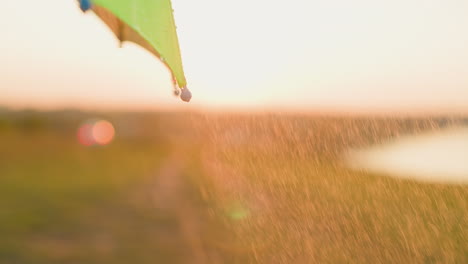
pixel 435 157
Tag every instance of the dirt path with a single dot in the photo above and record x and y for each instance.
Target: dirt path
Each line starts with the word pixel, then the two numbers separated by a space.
pixel 174 195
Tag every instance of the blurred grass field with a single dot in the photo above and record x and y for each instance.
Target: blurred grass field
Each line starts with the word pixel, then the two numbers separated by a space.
pixel 218 188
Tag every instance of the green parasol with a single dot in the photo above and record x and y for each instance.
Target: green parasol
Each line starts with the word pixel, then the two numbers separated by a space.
pixel 148 23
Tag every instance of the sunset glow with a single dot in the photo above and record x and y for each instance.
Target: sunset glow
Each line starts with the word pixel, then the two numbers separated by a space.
pixel 348 55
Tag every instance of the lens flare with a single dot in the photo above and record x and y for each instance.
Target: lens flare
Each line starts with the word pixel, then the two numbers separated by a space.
pixel 84 135
pixel 103 132
pixel 100 132
pixel 237 211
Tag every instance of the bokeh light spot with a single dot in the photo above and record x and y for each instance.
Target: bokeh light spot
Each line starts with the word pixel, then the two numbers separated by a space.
pixel 100 132
pixel 84 135
pixel 103 132
pixel 238 212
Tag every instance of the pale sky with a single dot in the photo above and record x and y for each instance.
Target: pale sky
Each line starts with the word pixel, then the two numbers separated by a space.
pixel 337 54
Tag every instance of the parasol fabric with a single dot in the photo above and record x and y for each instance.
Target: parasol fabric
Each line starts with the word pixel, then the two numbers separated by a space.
pixel 148 23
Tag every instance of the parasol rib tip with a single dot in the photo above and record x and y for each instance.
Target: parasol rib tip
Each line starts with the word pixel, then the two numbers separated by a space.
pixel 85 5
pixel 185 94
